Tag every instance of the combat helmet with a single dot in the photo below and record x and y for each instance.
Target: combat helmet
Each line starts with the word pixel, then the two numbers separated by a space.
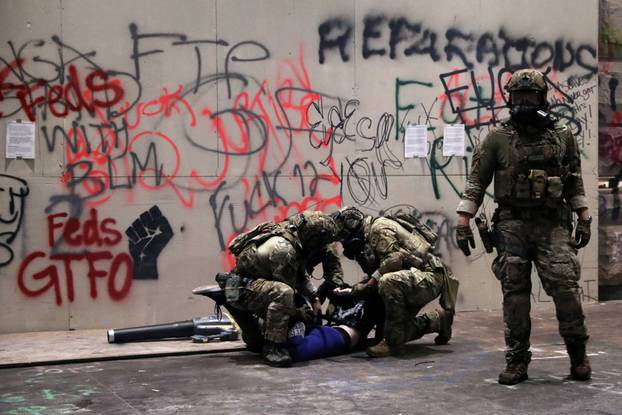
pixel 527 89
pixel 527 80
pixel 316 229
pixel 350 219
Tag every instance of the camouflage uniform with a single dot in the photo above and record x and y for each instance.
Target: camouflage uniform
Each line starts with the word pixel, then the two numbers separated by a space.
pixel 409 278
pixel 278 264
pixel 537 181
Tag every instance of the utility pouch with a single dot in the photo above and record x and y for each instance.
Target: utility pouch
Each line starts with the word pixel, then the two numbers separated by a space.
pixel 555 188
pixel 435 262
pixel 503 185
pixel 522 189
pixel 232 288
pixel 538 179
pixel 221 279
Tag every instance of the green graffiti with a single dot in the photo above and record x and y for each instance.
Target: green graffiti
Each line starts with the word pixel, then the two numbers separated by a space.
pixel 31 410
pixel 401 108
pixel 48 394
pixel 435 166
pixel 11 398
pixel 88 391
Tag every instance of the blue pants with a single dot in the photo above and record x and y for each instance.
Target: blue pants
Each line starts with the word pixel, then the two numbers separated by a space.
pixel 321 341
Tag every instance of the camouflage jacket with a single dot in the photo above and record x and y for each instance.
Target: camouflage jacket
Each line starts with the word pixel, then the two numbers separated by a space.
pixel 511 153
pixel 289 253
pixel 394 247
pixel 316 233
pixel 388 247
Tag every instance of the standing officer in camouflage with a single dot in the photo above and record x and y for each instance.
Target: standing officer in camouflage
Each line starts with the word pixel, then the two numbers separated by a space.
pixel 536 167
pixel 274 261
pixel 397 257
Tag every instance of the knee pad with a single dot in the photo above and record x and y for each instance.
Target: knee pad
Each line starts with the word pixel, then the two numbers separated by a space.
pixel 561 277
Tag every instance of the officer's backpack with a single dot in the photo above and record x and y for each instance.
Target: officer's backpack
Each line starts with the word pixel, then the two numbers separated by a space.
pixel 412 224
pixel 258 234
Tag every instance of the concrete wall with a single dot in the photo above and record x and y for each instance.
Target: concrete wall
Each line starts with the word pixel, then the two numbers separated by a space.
pixel 609 149
pixel 216 115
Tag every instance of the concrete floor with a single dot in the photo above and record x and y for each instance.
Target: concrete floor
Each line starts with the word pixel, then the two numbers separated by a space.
pixel 459 378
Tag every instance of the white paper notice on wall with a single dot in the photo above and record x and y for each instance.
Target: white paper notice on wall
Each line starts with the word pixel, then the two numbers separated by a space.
pixel 20 140
pixel 453 140
pixel 416 141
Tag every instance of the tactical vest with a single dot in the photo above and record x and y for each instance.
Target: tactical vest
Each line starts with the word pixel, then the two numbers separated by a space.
pixel 414 242
pixel 537 172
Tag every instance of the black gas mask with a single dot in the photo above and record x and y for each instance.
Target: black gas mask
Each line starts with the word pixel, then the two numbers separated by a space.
pixel 525 104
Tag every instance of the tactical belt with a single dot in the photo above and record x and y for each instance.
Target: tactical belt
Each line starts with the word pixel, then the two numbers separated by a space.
pixel 562 213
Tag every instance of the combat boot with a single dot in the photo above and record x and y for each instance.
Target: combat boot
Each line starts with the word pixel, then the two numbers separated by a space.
pixel 276 354
pixel 514 372
pixel 245 320
pixel 579 363
pixel 382 349
pixel 446 319
pixel 212 291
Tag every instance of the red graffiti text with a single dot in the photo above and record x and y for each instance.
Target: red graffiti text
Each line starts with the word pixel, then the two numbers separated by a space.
pixel 40 273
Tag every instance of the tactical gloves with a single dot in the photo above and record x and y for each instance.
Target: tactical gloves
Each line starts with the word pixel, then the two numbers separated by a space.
pixel 305 314
pixel 464 238
pixel 582 233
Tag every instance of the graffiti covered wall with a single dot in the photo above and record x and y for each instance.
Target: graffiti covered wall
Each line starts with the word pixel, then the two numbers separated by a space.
pixel 165 129
pixel 609 154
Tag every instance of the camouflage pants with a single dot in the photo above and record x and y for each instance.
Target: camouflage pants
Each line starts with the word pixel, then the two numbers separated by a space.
pixel 404 294
pixel 272 300
pixel 549 246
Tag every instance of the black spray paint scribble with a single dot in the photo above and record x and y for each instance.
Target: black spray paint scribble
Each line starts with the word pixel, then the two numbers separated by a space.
pixel 148 236
pixel 398 37
pixel 13 192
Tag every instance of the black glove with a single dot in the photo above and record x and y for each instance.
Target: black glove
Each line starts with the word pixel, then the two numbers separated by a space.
pixel 464 238
pixel 582 233
pixel 305 314
pixel 325 290
pixel 352 247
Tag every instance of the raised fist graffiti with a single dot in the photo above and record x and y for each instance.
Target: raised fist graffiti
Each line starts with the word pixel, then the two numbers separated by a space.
pixel 148 236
